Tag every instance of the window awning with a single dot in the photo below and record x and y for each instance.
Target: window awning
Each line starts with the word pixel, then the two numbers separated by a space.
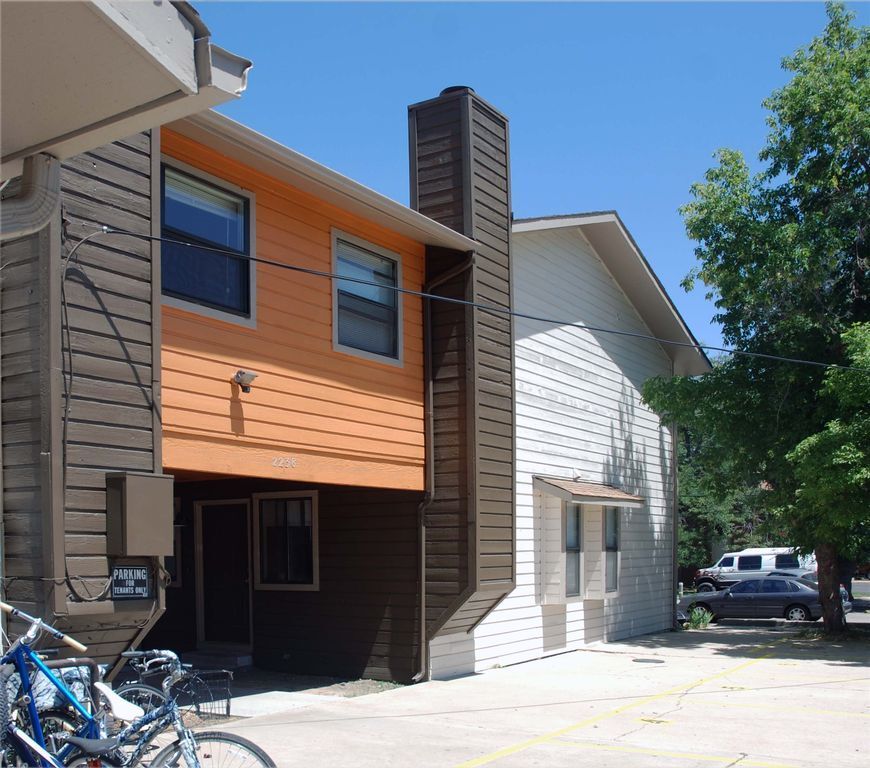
pixel 587 493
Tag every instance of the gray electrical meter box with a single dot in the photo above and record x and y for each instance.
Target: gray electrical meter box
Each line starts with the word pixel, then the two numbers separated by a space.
pixel 139 514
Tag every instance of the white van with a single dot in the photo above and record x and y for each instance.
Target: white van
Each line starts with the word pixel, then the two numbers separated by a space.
pixel 752 563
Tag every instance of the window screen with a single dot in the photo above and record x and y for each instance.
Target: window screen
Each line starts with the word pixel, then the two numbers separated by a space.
pixel 367 313
pixel 209 264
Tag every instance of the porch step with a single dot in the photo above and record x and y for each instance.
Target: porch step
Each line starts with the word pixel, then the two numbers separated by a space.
pixel 218 659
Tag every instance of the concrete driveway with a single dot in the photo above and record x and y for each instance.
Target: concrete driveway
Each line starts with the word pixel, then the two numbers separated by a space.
pixel 725 696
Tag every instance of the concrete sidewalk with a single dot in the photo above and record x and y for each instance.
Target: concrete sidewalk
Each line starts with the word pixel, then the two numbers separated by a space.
pixel 724 696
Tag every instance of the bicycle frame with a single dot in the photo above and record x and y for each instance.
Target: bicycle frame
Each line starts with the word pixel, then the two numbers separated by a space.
pixel 165 715
pixel 20 655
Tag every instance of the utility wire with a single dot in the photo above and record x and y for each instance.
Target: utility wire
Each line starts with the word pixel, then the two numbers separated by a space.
pixel 485 307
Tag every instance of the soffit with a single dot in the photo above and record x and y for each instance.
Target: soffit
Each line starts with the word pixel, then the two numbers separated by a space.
pixel 75 75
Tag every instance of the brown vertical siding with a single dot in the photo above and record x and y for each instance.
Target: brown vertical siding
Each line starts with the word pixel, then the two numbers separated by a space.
pixel 460 177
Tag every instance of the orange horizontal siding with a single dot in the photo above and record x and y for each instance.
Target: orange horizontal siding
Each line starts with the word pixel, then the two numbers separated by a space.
pixel 313 414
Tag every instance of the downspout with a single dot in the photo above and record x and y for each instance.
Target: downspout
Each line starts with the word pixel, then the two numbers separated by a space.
pixel 32 208
pixel 429 452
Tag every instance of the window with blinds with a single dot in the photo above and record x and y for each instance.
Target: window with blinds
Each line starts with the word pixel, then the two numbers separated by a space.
pixel 366 312
pixel 205 254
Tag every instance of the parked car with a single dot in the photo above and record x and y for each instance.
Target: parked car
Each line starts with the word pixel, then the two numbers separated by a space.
pixel 771 597
pixel 752 563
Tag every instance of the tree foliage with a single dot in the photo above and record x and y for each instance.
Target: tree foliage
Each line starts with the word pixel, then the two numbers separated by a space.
pixel 784 256
pixel 712 509
pixel 832 466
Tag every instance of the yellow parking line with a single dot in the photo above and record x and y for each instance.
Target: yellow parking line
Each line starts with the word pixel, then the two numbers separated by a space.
pixel 523 745
pixel 726 759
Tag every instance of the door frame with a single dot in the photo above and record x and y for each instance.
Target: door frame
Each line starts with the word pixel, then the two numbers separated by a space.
pixel 198 507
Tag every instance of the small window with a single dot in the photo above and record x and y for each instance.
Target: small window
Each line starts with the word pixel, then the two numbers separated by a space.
pixel 793 586
pixel 745 587
pixel 210 265
pixel 611 547
pixel 367 314
pixel 749 563
pixel 774 585
pixel 286 540
pixel 573 551
pixel 726 562
pixel 787 561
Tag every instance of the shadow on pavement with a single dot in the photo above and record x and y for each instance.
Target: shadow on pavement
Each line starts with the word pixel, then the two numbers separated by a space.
pixel 778 642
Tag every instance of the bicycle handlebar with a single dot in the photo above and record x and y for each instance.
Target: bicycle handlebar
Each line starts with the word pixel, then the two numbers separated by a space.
pixel 164 661
pixel 55 633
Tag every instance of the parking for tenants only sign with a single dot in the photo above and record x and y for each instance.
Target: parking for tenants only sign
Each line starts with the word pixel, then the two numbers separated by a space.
pixel 131 582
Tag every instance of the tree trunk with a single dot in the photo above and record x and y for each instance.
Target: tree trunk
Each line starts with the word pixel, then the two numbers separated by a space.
pixel 829 589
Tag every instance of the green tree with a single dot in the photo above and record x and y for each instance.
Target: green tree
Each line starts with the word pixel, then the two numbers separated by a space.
pixel 710 507
pixel 832 466
pixel 784 255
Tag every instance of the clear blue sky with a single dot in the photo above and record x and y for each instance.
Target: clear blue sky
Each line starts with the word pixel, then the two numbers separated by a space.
pixel 611 106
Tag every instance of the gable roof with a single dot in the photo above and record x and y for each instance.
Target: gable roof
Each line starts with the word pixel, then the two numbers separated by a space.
pixel 257 151
pixel 623 258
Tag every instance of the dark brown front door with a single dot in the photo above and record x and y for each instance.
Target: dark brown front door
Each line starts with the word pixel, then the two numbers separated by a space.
pixel 225 573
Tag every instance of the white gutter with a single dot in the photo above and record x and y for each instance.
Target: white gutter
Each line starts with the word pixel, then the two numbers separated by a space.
pixel 32 208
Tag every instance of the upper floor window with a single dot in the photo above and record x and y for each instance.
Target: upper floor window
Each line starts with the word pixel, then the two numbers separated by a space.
pixel 212 269
pixel 366 315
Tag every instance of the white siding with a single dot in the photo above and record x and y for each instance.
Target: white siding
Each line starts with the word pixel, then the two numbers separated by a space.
pixel 578 415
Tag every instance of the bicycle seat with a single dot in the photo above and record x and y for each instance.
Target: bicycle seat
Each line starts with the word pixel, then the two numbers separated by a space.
pixel 95 747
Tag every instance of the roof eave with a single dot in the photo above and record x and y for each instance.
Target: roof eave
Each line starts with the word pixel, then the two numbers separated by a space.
pixel 246 145
pixel 220 77
pixel 638 281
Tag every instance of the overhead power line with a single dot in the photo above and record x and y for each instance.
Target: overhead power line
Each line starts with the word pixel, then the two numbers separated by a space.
pixel 478 305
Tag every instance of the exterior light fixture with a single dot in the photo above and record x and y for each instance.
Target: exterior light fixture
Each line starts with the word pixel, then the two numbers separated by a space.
pixel 244 379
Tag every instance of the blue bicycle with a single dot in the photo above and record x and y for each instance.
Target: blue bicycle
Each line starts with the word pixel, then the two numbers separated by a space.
pixel 85 743
pixel 22 662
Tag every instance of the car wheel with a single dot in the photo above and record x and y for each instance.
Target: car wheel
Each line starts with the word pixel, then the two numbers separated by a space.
pixel 797 613
pixel 700 607
pixel 706 586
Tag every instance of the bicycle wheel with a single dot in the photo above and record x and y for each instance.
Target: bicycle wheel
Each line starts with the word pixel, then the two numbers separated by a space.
pixel 56 725
pixel 146 696
pixel 216 749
